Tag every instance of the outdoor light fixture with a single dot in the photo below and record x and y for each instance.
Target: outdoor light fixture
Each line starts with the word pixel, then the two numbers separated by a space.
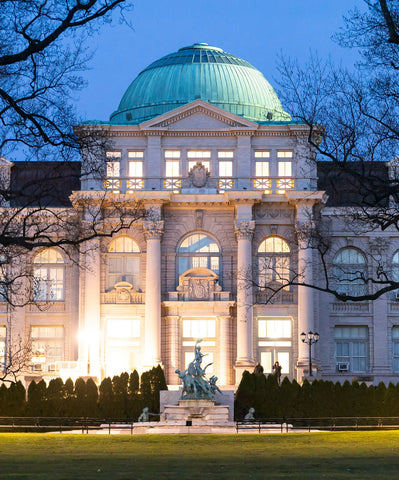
pixel 310 338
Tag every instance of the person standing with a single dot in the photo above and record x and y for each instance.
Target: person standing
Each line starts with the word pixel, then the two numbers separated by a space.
pixel 277 371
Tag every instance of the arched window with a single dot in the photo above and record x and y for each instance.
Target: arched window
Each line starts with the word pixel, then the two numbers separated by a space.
pixel 350 269
pixel 48 276
pixel 273 262
pixel 123 262
pixel 198 250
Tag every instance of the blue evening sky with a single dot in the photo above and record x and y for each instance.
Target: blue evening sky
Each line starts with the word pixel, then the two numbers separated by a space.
pixel 256 30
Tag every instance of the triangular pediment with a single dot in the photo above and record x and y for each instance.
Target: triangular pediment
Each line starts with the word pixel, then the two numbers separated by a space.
pixel 198 115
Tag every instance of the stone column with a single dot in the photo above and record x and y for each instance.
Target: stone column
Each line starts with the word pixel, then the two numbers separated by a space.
pixel 174 348
pixel 90 333
pixel 305 272
pixel 153 231
pixel 225 351
pixel 244 231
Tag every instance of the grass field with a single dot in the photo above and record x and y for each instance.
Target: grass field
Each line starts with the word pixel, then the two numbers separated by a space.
pixel 338 455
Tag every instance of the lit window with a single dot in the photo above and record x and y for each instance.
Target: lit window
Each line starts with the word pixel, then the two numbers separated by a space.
pixel 135 169
pixel 198 250
pixel 172 168
pixel 3 332
pixel 136 154
pixel 351 347
pixel 262 169
pixel 113 169
pixel 274 262
pixel 285 169
pixel 201 156
pixel 275 343
pixel 47 344
pixel 226 154
pixel 284 154
pixel 395 348
pixel 199 329
pixel 123 262
pixel 123 328
pixel 113 154
pixel 350 270
pixel 262 154
pixel 135 182
pixel 225 169
pixel 172 153
pixel 48 276
pixel 113 182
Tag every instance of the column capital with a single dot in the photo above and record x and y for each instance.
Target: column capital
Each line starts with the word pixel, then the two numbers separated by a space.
pixel 244 229
pixel 153 230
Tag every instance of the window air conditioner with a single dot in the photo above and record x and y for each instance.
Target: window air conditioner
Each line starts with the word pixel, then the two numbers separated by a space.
pixel 343 367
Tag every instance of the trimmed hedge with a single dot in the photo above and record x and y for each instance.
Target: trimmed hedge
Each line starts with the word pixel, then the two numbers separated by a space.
pixel 317 399
pixel 123 396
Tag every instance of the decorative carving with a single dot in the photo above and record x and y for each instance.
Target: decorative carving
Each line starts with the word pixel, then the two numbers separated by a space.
pixel 198 175
pixel 199 218
pixel 153 229
pixel 244 229
pixel 378 245
pixel 264 211
pixel 123 292
pixel 199 284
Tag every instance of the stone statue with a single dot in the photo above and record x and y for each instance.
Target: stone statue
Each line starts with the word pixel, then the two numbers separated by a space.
pixel 195 384
pixel 145 415
pixel 250 414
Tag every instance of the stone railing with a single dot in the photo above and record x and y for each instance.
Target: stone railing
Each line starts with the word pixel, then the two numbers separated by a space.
pixel 47 307
pixel 350 307
pixel 279 298
pixel 115 297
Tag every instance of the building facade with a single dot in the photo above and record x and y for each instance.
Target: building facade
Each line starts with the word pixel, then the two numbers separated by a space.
pixel 230 186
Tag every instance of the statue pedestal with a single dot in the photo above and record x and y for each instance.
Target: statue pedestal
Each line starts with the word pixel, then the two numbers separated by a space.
pixel 198 412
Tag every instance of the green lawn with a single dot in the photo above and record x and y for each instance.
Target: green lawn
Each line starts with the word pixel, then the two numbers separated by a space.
pixel 363 455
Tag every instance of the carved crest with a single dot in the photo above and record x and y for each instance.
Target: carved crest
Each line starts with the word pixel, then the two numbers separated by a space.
pixel 198 175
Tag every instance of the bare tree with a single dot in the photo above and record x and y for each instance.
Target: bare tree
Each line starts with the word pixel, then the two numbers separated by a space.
pixel 353 123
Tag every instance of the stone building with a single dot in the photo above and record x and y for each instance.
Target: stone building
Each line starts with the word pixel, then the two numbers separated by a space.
pixel 228 180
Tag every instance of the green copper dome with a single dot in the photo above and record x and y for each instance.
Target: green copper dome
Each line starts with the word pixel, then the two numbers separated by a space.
pixel 199 72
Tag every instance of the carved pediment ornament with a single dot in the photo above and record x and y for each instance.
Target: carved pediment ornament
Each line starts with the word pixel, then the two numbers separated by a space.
pixel 122 292
pixel 198 284
pixel 198 175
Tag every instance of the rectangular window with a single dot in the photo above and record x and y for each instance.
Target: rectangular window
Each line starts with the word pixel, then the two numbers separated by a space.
pixel 199 328
pixel 172 154
pixel 351 348
pixel 3 332
pixel 275 343
pixel 284 154
pixel 395 348
pixel 47 344
pixel 123 328
pixel 262 169
pixel 113 155
pixel 262 154
pixel 136 169
pixel 226 154
pixel 225 168
pixel 113 169
pixel 285 169
pixel 172 169
pixel 136 154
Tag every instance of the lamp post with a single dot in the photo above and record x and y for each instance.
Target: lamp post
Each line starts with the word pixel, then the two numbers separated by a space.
pixel 310 338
